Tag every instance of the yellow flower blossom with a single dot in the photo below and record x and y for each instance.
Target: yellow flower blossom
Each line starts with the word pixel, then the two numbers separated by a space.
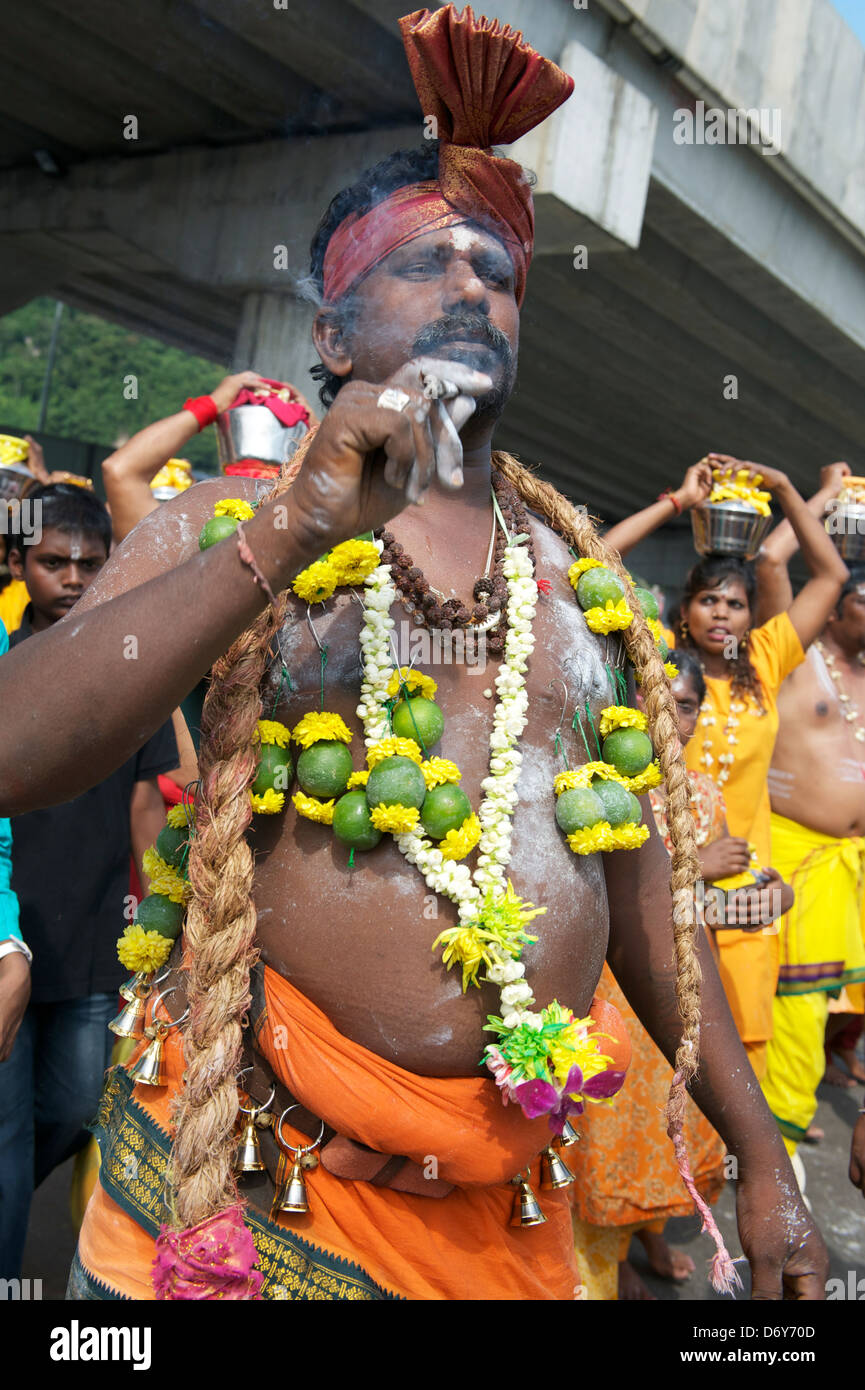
pixel 613 617
pixel 671 670
pixel 595 838
pixel 655 628
pixel 645 780
pixel 582 776
pixel 398 819
pixel 742 488
pixel 313 809
pixel 268 803
pixel 164 878
pixel 575 1046
pixel 466 946
pixel 458 843
pixel 393 747
pixel 316 583
pixel 629 836
pixel 352 561
pixel 272 731
pixel 579 567
pixel 138 949
pixel 234 506
pixel 414 680
pixel 358 779
pixel 177 817
pixel 313 727
pixel 622 717
pixel 437 771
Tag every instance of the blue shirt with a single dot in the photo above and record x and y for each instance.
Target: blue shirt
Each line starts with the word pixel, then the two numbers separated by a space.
pixel 8 900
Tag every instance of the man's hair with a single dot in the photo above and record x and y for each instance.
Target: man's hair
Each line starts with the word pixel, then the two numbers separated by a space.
pixel 398 170
pixel 67 508
pixel 688 665
pixel 851 584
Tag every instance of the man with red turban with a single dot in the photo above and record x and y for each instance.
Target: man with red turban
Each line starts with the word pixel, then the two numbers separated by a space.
pixel 401 1173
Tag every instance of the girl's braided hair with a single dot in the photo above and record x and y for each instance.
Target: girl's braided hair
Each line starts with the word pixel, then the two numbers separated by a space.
pixel 221 919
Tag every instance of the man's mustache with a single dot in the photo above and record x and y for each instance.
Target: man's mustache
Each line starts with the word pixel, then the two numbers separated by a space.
pixel 453 327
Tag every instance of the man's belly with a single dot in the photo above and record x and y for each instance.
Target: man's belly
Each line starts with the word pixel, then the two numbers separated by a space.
pixel 358 942
pixel 824 790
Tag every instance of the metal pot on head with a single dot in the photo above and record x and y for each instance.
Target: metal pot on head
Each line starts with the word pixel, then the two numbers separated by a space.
pixel 253 432
pixel 728 528
pixel 845 521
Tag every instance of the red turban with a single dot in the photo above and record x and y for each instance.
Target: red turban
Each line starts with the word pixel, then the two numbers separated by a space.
pixel 485 87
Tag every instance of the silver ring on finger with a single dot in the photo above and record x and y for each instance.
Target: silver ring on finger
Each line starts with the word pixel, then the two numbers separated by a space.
pixel 392 398
pixel 438 388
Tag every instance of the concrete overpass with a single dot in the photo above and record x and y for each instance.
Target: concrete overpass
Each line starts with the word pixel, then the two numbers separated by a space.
pixel 158 156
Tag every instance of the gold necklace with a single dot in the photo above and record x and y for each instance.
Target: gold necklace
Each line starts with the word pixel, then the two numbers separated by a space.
pixel 849 711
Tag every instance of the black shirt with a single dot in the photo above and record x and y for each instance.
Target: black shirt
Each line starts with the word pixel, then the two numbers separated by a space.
pixel 70 869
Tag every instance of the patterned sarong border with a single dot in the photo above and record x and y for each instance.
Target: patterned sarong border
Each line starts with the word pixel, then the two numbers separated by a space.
pixel 84 1287
pixel 135 1154
pixel 827 977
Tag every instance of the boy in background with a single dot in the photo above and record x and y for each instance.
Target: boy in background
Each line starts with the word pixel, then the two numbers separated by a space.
pixel 70 870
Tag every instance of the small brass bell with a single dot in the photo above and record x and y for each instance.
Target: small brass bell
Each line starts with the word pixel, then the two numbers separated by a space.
pixel 555 1173
pixel 568 1136
pixel 133 984
pixel 527 1211
pixel 292 1195
pixel 129 1023
pixel 248 1157
pixel 147 1071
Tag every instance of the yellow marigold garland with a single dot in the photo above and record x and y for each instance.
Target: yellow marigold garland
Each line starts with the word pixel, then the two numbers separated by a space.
pixel 272 731
pixel 437 771
pixel 456 844
pixel 622 717
pixel 579 568
pixel 412 680
pixel 358 779
pixel 140 950
pixel 234 506
pixel 267 803
pixel 313 809
pixel 582 777
pixel 164 878
pixel 352 561
pixel 316 583
pixel 176 817
pixel 398 819
pixel 393 747
pixel 313 727
pixel 671 670
pixel 613 617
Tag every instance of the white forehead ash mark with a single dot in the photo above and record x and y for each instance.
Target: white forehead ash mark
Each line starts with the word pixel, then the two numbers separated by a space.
pixel 463 238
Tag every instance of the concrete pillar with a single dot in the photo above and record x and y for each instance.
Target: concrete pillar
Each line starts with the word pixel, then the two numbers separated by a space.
pixel 273 338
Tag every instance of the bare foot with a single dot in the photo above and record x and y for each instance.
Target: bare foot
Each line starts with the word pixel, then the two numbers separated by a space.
pixel 836 1077
pixel 631 1287
pixel 664 1261
pixel 814 1134
pixel 854 1066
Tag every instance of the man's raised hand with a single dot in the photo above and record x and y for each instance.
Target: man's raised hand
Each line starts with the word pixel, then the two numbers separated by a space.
pixel 368 461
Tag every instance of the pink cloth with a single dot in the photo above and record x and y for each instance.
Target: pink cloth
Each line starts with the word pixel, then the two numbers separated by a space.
pixel 211 1260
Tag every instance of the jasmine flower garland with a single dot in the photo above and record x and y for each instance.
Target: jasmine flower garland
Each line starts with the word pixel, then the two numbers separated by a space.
pixel 492 918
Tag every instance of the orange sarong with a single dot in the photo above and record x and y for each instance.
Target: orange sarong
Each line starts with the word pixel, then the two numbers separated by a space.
pixel 357 1240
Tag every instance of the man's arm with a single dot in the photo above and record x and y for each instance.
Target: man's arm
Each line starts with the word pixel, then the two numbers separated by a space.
pixel 781 1241
pixel 774 590
pixel 146 819
pixel 128 472
pixel 161 612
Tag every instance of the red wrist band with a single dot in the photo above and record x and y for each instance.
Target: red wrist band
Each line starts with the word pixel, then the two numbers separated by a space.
pixel 667 496
pixel 203 408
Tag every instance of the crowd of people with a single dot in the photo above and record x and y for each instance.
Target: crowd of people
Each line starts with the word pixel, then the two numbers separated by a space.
pixel 295 1108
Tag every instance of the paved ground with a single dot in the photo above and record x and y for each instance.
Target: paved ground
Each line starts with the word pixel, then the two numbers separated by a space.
pixel 838 1209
